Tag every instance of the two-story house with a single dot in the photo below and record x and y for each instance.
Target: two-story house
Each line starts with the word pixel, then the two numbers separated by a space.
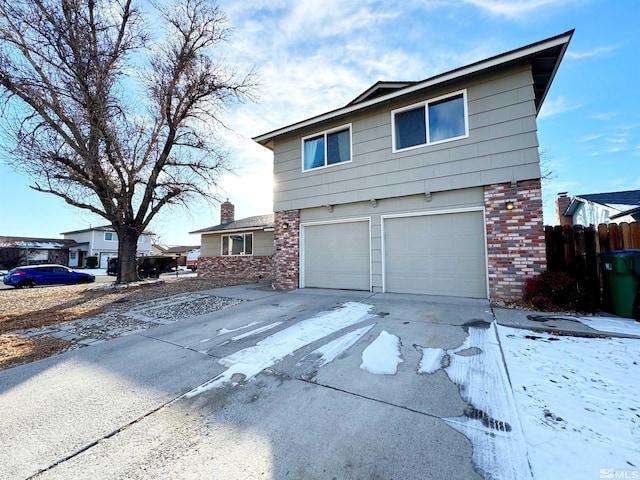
pixel 429 187
pixel 101 242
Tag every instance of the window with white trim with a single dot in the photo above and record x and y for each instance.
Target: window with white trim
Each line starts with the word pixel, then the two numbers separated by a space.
pixel 326 148
pixel 237 244
pixel 438 120
pixel 110 236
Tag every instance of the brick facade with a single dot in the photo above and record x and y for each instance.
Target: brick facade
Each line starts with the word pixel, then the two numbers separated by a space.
pixel 251 268
pixel 287 255
pixel 515 238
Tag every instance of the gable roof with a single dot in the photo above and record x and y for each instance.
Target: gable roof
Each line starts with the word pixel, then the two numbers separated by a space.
pixel 379 89
pixel 36 243
pixel 543 56
pixel 626 202
pixel 258 222
pixel 104 228
pixel 181 248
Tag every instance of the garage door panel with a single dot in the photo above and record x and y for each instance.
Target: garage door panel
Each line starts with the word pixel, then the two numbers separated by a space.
pixel 337 256
pixel 436 254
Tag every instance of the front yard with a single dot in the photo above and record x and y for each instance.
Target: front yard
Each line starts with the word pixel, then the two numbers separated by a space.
pixel 35 308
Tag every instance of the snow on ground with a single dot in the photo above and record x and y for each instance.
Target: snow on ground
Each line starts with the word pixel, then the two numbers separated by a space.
pixel 431 360
pixel 329 352
pixel 382 356
pixel 491 420
pixel 578 401
pixel 626 326
pixel 250 361
pixel 252 332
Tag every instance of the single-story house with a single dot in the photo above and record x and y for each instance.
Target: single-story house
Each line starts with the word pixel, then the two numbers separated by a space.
pixel 15 251
pixel 237 248
pixel 102 243
pixel 597 208
pixel 426 187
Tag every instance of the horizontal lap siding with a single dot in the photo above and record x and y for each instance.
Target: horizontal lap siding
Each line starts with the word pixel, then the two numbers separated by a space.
pixel 211 244
pixel 502 146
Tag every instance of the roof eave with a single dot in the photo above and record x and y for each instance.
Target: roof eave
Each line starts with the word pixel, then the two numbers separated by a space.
pixel 520 54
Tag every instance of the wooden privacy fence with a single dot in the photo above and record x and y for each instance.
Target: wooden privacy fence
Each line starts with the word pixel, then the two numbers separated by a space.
pixel 574 249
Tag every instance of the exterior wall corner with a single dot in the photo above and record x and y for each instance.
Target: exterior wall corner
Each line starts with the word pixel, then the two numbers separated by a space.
pixel 515 238
pixel 286 271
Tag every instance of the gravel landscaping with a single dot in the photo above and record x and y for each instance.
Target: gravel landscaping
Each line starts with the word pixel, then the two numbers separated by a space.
pixel 39 322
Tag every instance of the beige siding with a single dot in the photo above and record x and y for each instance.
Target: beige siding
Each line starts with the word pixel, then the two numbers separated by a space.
pixel 502 146
pixel 211 244
pixel 443 201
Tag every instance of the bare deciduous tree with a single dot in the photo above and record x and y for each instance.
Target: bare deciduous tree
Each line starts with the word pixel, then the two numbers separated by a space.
pixel 109 117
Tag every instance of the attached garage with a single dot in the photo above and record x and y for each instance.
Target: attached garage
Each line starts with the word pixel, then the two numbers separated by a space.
pixel 436 254
pixel 336 255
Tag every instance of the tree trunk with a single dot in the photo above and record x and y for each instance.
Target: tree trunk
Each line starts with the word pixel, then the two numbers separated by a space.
pixel 127 264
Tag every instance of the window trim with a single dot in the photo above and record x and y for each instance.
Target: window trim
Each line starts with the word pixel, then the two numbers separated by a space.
pixel 110 239
pixel 324 133
pixel 244 234
pixel 425 104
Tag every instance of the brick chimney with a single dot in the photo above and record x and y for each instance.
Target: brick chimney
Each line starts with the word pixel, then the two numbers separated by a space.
pixel 562 203
pixel 227 212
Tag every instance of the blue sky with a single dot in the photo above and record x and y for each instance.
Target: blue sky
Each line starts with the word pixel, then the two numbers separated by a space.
pixel 314 56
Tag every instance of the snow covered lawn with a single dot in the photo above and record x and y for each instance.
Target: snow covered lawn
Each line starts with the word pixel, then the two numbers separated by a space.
pixel 578 400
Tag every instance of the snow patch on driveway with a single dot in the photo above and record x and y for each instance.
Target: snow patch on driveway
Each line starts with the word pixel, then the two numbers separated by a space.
pixel 431 360
pixel 490 420
pixel 383 355
pixel 329 352
pixel 250 361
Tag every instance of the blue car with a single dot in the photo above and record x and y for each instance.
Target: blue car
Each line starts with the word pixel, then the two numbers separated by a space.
pixel 32 275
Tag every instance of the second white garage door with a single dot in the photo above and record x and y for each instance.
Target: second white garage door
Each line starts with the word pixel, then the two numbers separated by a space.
pixel 337 255
pixel 436 254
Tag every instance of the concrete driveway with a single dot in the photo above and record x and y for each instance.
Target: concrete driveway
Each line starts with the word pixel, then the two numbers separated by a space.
pixel 282 386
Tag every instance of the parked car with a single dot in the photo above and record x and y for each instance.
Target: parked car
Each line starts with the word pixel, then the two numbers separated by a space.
pixel 32 275
pixel 148 267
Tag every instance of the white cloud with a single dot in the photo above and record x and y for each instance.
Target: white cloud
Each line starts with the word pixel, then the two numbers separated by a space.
pixel 596 52
pixel 605 116
pixel 519 8
pixel 556 106
pixel 591 138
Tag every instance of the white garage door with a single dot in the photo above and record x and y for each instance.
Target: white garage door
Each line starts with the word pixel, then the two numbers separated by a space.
pixel 436 255
pixel 337 255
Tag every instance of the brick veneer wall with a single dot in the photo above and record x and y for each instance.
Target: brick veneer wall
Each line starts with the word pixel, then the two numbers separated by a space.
pixel 287 255
pixel 248 267
pixel 515 238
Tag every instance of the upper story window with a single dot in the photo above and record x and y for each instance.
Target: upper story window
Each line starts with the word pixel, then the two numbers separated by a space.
pixel 111 236
pixel 437 120
pixel 237 244
pixel 327 148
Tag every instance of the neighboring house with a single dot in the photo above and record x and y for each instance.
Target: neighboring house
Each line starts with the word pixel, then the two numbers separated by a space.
pixel 181 252
pixel 101 242
pixel 597 208
pixel 30 251
pixel 429 187
pixel 158 249
pixel 237 248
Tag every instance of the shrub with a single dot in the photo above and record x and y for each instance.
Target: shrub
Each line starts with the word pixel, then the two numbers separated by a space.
pixel 556 290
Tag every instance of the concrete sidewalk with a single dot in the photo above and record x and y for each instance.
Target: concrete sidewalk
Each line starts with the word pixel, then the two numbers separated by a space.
pixel 118 409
